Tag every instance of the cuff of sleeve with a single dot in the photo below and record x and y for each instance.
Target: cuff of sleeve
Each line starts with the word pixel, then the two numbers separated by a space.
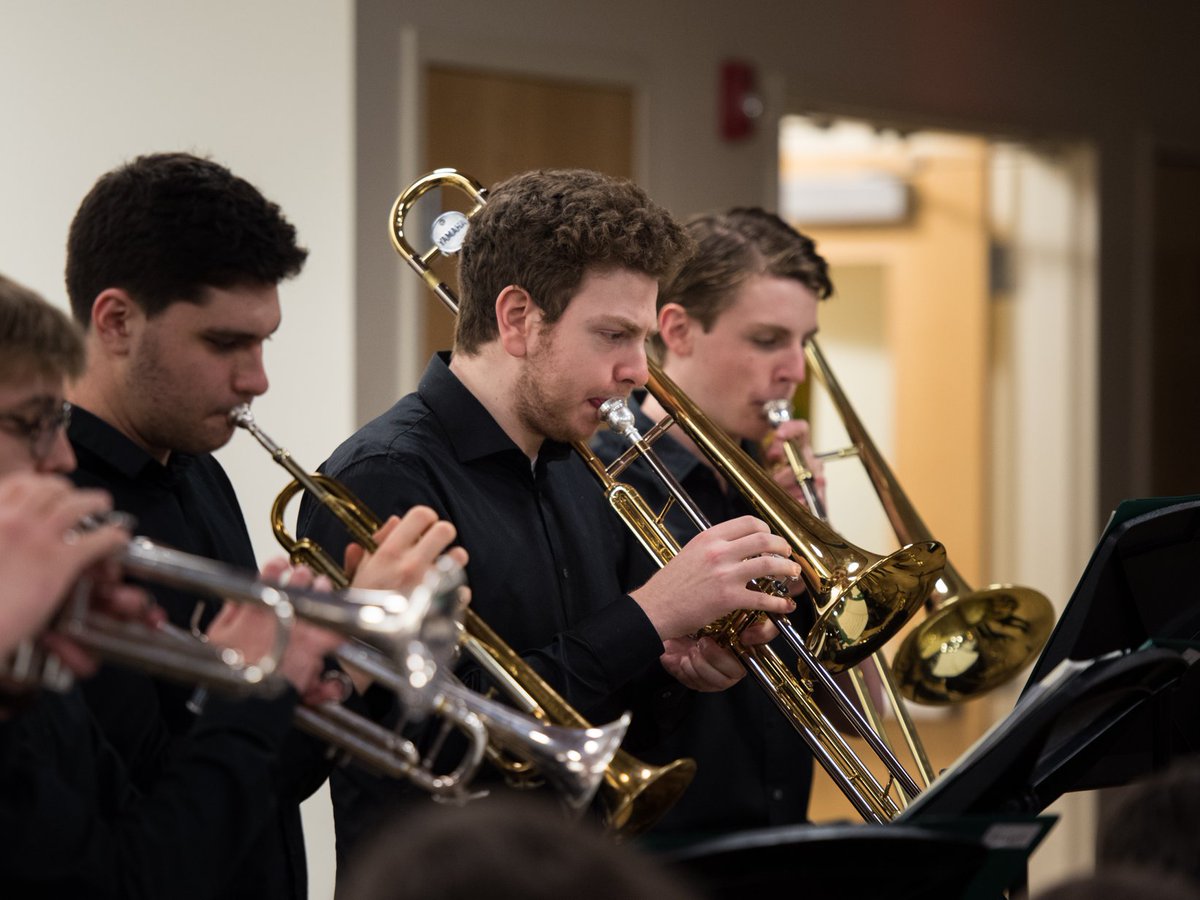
pixel 270 717
pixel 622 638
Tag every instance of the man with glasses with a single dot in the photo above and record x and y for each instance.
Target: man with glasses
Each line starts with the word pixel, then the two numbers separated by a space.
pixel 73 823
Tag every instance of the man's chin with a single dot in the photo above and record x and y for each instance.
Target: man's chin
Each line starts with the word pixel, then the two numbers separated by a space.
pixel 209 441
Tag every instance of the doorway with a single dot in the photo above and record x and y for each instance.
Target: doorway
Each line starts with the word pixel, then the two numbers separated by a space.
pixel 963 332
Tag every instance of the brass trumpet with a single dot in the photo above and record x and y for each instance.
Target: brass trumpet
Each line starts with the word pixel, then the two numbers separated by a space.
pixel 861 600
pixel 577 758
pixel 972 640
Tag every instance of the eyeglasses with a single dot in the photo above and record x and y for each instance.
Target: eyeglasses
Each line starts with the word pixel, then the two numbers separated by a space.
pixel 40 431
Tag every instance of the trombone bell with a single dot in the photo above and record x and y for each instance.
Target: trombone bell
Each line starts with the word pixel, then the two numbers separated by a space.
pixel 972 643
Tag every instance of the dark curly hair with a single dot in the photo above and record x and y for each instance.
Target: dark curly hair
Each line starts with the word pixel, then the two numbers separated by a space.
pixel 732 248
pixel 167 226
pixel 543 231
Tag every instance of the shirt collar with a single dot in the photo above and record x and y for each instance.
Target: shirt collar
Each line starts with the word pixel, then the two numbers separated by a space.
pixel 470 428
pixel 89 432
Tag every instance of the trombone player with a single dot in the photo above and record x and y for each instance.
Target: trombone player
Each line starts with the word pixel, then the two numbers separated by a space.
pixel 558 276
pixel 732 323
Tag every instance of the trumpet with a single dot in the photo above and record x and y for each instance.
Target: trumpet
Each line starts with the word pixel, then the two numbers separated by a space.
pixel 578 759
pixel 861 599
pixel 971 641
pixel 400 625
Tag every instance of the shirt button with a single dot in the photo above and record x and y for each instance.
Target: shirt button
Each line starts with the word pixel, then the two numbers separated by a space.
pixel 564 573
pixel 777 794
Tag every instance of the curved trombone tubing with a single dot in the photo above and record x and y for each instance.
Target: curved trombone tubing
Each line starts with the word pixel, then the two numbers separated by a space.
pixel 576 757
pixel 972 640
pixel 794 698
pixel 777 412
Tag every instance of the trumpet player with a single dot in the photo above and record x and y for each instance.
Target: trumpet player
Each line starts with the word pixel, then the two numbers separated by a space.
pixel 558 276
pixel 732 323
pixel 73 821
pixel 173 266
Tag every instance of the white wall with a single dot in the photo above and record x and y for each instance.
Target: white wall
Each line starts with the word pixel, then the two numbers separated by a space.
pixel 264 87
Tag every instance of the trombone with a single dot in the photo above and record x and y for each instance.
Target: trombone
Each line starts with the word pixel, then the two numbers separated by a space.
pixel 971 641
pixel 861 599
pixel 777 412
pixel 577 758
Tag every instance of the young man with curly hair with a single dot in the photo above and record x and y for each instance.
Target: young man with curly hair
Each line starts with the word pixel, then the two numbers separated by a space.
pixel 559 273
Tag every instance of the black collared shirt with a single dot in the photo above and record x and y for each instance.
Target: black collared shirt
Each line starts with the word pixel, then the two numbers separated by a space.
pixel 549 561
pixel 753 769
pixel 188 504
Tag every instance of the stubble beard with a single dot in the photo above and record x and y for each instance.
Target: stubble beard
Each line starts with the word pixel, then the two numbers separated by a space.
pixel 538 409
pixel 163 419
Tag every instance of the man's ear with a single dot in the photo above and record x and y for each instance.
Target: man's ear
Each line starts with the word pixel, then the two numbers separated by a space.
pixel 676 329
pixel 116 319
pixel 517 317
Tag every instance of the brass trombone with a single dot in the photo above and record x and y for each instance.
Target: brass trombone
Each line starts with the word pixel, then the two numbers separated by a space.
pixel 972 640
pixel 777 412
pixel 634 794
pixel 861 599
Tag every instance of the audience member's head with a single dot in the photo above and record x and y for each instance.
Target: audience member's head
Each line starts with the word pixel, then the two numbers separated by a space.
pixel 1123 883
pixel 503 846
pixel 1156 823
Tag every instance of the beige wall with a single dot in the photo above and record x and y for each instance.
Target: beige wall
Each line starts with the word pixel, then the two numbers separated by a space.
pixel 263 87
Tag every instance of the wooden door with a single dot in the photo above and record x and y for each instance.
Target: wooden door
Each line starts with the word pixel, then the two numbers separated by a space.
pixel 491 125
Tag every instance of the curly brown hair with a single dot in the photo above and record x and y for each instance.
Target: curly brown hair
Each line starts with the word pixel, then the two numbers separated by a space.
pixel 732 248
pixel 36 339
pixel 543 231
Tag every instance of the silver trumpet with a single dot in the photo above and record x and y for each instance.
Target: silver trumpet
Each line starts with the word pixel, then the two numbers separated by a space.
pixel 393 623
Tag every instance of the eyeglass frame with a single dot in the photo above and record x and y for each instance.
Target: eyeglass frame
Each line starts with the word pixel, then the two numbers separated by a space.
pixel 40 433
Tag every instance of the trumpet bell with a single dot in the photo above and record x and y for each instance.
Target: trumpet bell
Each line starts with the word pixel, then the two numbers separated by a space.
pixel 972 643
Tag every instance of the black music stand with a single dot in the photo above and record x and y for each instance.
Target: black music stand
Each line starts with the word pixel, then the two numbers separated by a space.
pixel 1137 587
pixel 1054 735
pixel 852 861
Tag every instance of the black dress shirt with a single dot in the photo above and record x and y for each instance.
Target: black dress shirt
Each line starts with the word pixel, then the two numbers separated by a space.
pixel 549 561
pixel 73 825
pixel 188 504
pixel 753 768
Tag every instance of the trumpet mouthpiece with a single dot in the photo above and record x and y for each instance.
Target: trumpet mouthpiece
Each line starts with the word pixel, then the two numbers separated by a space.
pixel 241 416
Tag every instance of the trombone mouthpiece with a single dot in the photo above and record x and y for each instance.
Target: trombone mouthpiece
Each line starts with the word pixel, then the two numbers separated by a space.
pixel 777 412
pixel 615 413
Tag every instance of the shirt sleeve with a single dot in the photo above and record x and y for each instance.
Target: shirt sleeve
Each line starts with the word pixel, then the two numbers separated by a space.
pixel 593 664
